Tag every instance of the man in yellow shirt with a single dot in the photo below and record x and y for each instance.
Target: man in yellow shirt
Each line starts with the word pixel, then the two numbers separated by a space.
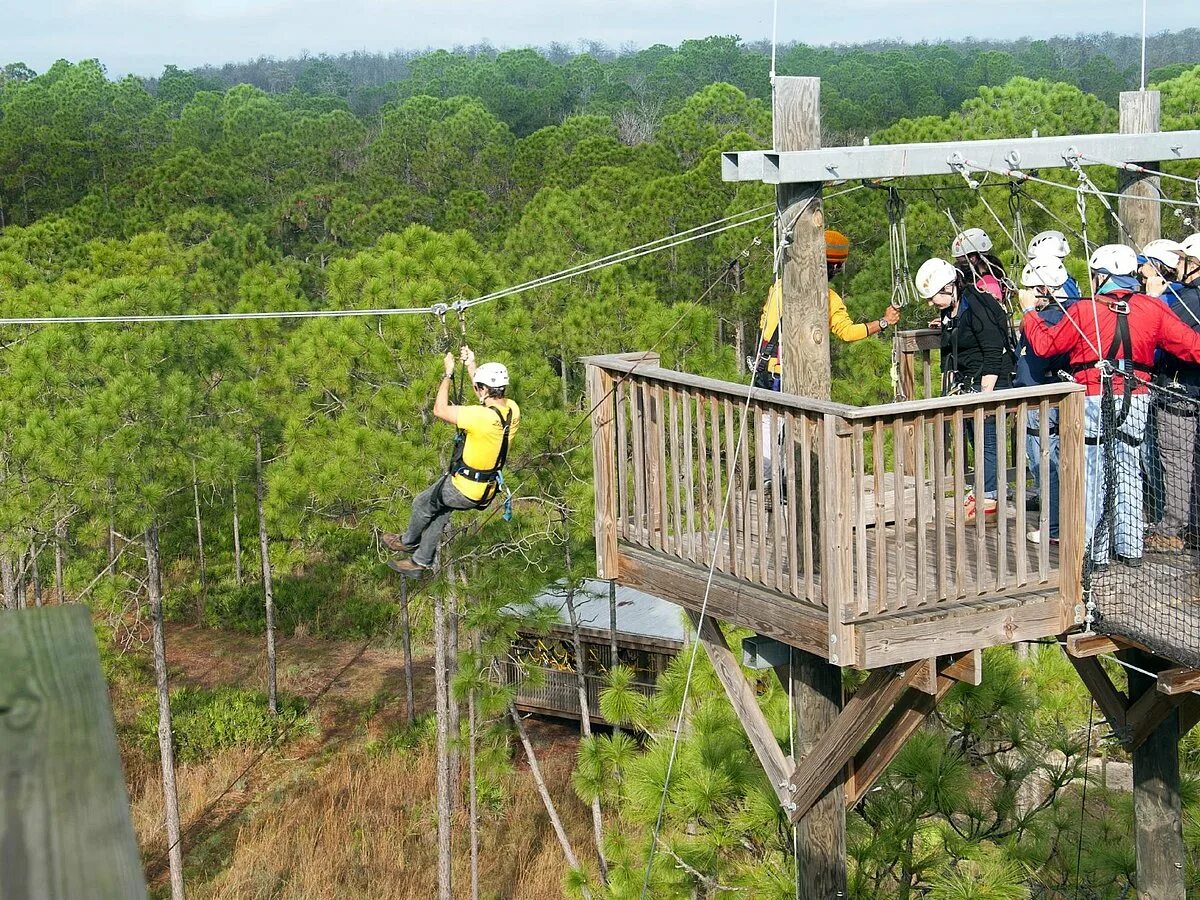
pixel 474 476
pixel 837 251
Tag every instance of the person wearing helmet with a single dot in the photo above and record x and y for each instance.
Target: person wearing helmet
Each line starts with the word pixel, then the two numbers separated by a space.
pixel 767 370
pixel 1111 340
pixel 1157 267
pixel 1054 243
pixel 977 354
pixel 973 257
pixel 1176 409
pixel 1044 288
pixel 474 476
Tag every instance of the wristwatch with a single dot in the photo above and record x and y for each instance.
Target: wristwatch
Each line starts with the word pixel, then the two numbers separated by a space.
pixel 883 324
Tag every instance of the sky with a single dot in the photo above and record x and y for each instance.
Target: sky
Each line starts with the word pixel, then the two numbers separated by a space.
pixel 141 36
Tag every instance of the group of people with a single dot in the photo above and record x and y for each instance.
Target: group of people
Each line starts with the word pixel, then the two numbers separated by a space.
pixel 1139 328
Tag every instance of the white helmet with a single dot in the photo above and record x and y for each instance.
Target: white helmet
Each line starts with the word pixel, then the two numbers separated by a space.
pixel 933 276
pixel 1044 271
pixel 1163 251
pixel 1190 246
pixel 1113 259
pixel 492 374
pixel 973 240
pixel 1049 243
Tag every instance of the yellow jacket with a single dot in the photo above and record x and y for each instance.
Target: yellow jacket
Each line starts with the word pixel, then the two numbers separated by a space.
pixel 840 323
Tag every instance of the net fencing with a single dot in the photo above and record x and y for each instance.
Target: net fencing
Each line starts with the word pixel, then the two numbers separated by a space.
pixel 1141 574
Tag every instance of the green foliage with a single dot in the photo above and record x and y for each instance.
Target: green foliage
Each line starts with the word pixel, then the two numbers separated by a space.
pixel 206 721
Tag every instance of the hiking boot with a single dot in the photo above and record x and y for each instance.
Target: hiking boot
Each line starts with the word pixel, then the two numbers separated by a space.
pixel 1035 537
pixel 395 543
pixel 971 508
pixel 1163 543
pixel 406 567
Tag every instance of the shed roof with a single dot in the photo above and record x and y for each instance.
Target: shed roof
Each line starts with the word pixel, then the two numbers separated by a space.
pixel 639 615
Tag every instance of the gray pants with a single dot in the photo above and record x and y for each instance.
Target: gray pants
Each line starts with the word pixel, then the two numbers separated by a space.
pixel 1177 445
pixel 431 513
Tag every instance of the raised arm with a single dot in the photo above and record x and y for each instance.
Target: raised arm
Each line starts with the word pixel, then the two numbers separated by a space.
pixel 442 408
pixel 1051 340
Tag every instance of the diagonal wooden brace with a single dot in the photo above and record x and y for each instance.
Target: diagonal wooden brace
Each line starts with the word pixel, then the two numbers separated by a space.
pixel 1112 702
pixel 850 730
pixel 741 694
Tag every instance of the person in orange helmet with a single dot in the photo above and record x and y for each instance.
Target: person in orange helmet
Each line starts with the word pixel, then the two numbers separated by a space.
pixel 767 373
pixel 841 325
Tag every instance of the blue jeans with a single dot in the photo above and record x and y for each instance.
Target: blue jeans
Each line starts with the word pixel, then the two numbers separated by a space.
pixel 990 488
pixel 1033 450
pixel 1127 487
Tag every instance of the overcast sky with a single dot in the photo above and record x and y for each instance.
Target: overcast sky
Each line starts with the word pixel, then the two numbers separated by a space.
pixel 142 36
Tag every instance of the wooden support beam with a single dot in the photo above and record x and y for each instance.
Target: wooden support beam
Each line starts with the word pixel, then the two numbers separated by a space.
pixel 1084 644
pixel 1157 808
pixel 1145 714
pixel 848 733
pixel 927 677
pixel 967 668
pixel 1178 681
pixel 1113 704
pixel 65 829
pixel 1189 714
pixel 1139 207
pixel 745 703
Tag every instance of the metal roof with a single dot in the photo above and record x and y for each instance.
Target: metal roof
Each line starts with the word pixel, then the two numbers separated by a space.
pixel 639 615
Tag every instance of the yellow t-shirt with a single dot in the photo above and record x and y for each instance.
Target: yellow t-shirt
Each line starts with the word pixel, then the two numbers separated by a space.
pixel 840 323
pixel 484 433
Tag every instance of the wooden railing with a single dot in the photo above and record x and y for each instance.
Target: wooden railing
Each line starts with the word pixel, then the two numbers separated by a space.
pixel 863 517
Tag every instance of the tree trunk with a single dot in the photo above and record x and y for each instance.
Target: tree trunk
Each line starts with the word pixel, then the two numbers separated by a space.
pixel 406 640
pixel 60 540
pixel 8 578
pixel 473 794
pixel 166 749
pixel 22 568
pixel 112 530
pixel 585 715
pixel 536 771
pixel 445 886
pixel 614 658
pixel 453 720
pixel 237 539
pixel 35 575
pixel 264 547
pixel 199 539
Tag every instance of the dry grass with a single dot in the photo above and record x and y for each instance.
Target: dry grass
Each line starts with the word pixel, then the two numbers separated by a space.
pixel 364 826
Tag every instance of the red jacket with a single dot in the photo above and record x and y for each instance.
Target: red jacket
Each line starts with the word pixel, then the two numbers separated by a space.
pixel 1151 325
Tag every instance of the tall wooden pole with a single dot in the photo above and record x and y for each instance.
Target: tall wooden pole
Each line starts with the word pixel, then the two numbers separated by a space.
pixel 804 355
pixel 1138 208
pixel 1158 817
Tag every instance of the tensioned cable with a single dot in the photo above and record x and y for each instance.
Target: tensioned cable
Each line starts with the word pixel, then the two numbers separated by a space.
pixel 1025 176
pixel 664 243
pixel 1141 170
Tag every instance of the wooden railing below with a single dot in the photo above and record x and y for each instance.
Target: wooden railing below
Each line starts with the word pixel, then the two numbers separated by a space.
pixel 838 529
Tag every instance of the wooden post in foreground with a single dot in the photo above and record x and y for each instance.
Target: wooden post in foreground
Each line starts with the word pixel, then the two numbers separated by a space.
pixel 804 356
pixel 1139 208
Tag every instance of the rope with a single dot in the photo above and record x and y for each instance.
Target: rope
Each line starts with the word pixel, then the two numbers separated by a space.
pixel 666 243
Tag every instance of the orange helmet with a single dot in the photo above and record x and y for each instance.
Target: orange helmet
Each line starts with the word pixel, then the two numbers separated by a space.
pixel 837 247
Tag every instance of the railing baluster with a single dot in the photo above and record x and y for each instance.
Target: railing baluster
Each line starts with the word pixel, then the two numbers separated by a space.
pixel 804 502
pixel 1044 490
pixel 677 504
pixel 881 549
pixel 779 543
pixel 1022 463
pixel 960 491
pixel 900 433
pixel 981 560
pixel 639 533
pixel 718 495
pixel 704 461
pixel 661 519
pixel 733 489
pixel 689 476
pixel 787 466
pixel 623 500
pixel 760 497
pixel 939 506
pixel 745 422
pixel 920 512
pixel 1001 497
pixel 858 511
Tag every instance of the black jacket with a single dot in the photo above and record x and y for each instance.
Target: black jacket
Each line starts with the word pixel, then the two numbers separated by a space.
pixel 1184 301
pixel 978 341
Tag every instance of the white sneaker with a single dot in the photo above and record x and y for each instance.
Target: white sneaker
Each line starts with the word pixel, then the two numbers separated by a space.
pixel 1035 537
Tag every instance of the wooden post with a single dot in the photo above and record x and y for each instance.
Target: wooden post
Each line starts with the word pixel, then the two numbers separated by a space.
pixel 1157 813
pixel 65 828
pixel 1139 209
pixel 1071 491
pixel 604 441
pixel 804 356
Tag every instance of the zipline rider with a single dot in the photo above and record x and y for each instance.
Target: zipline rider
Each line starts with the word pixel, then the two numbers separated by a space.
pixel 474 476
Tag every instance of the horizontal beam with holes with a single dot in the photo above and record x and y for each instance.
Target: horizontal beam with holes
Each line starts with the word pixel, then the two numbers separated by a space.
pixel 948 158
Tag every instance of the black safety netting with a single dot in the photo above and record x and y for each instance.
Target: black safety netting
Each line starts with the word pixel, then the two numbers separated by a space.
pixel 1141 573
